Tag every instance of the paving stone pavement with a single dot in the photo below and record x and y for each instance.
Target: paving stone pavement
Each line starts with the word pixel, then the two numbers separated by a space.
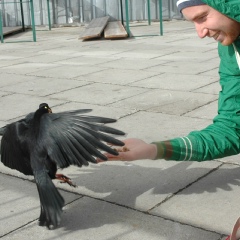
pixel 158 87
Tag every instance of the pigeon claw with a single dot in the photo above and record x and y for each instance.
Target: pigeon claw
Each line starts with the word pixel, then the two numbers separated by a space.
pixel 64 179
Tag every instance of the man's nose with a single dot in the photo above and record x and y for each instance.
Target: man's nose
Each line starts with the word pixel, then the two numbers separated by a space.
pixel 201 30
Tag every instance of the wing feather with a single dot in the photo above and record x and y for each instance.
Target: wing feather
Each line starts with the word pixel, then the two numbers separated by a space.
pixel 72 138
pixel 14 152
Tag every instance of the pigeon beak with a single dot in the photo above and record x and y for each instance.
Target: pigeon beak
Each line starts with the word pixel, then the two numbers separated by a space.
pixel 49 110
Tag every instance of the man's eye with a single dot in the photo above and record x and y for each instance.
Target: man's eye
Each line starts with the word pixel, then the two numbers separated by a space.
pixel 202 18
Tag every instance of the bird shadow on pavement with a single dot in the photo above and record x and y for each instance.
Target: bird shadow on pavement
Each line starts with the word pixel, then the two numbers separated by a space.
pixel 111 191
pixel 142 188
pixel 125 179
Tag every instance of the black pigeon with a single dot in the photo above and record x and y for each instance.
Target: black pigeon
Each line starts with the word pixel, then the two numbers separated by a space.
pixel 44 141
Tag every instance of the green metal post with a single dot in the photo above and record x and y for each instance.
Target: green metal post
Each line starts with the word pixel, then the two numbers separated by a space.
pixel 1 27
pixel 160 17
pixel 22 16
pixel 49 16
pixel 33 21
pixel 121 9
pixel 127 18
pixel 149 12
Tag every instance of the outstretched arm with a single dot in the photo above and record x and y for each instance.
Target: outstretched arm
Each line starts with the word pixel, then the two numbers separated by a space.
pixel 134 149
pixel 218 140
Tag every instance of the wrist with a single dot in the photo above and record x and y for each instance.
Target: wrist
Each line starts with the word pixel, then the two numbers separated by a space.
pixel 158 150
pixel 153 151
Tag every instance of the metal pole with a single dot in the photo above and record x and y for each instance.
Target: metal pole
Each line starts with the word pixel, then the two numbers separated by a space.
pixel 92 10
pixel 149 12
pixel 127 18
pixel 55 9
pixel 169 10
pixel 79 10
pixel 49 16
pixel 160 17
pixel 66 8
pixel 41 12
pixel 1 27
pixel 22 16
pixel 82 11
pixel 121 11
pixel 105 8
pixel 33 20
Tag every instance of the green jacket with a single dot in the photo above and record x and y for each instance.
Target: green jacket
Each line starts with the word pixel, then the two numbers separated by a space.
pixel 222 138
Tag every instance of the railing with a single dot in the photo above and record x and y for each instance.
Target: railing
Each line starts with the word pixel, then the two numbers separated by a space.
pixel 61 12
pixel 148 15
pixel 20 4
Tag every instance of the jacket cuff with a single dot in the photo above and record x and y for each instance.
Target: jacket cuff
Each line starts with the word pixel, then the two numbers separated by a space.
pixel 179 149
pixel 160 150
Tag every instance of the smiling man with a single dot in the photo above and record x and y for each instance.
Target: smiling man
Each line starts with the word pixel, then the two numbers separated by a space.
pixel 210 22
pixel 220 20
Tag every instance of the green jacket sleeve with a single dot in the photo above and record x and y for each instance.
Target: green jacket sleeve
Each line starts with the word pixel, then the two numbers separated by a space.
pixel 222 138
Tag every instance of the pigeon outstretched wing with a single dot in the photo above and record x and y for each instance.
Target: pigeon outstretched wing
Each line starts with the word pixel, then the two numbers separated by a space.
pixel 43 141
pixel 72 138
pixel 14 152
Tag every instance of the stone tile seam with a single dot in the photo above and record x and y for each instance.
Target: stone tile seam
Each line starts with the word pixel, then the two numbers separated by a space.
pixel 26 224
pixel 92 82
pixel 198 88
pixel 125 51
pixel 108 61
pixel 125 98
pixel 2 67
pixel 166 54
pixel 149 214
pixel 26 58
pixel 45 68
pixel 207 70
pixel 73 88
pixel 48 95
pixel 154 215
pixel 116 204
pixel 187 186
pixel 7 94
pixel 71 78
pixel 209 59
pixel 182 115
pixel 145 78
pixel 23 116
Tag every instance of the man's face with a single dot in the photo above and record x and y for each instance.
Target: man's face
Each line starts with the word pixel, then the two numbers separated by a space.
pixel 211 23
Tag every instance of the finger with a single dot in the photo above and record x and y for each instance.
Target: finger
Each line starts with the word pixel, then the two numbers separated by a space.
pixel 119 157
pixel 109 157
pixel 115 159
pixel 98 160
pixel 124 141
pixel 110 144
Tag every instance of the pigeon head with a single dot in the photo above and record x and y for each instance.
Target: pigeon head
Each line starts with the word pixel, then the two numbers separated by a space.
pixel 44 108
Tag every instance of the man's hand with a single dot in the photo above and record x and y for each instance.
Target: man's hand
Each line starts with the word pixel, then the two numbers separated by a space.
pixel 134 149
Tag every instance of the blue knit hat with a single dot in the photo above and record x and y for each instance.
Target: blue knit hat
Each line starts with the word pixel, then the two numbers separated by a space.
pixel 181 4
